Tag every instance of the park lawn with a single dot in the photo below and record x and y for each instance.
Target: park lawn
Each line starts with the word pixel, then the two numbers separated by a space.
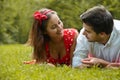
pixel 12 68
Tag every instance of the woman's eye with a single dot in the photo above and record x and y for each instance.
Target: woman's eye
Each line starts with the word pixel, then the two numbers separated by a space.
pixel 58 22
pixel 53 27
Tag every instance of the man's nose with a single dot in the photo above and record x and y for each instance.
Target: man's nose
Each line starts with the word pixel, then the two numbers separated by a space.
pixel 83 33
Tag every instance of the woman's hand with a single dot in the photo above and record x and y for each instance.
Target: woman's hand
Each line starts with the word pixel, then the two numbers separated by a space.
pixel 49 64
pixel 30 62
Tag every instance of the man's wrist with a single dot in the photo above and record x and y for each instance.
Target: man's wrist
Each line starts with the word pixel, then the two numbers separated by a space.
pixel 104 63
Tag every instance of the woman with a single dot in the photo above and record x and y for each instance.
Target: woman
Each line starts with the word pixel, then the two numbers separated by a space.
pixel 51 43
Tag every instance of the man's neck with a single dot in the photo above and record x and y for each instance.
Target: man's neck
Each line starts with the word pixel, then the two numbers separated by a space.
pixel 105 39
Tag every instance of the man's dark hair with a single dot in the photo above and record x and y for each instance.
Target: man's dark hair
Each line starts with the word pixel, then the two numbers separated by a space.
pixel 99 18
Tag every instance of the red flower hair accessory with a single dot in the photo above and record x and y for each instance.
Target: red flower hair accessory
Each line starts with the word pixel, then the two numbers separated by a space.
pixel 40 17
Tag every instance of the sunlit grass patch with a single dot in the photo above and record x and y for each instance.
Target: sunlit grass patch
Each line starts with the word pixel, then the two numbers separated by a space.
pixel 12 68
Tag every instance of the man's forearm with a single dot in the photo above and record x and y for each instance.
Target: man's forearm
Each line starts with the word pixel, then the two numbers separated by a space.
pixel 113 65
pixel 104 63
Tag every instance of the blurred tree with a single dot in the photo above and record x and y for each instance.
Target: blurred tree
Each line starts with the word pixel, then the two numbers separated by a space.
pixel 16 15
pixel 70 10
pixel 16 19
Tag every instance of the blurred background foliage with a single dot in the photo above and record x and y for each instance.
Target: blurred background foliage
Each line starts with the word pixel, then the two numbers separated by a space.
pixel 16 15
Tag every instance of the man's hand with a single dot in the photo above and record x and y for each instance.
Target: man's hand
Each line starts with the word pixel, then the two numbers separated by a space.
pixel 91 61
pixel 95 61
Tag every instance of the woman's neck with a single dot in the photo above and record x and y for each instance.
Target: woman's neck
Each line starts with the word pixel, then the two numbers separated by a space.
pixel 56 41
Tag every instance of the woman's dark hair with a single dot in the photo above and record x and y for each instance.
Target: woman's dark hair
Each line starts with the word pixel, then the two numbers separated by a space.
pixel 37 36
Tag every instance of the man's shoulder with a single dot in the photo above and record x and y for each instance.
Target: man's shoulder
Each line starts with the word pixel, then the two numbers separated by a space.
pixel 117 24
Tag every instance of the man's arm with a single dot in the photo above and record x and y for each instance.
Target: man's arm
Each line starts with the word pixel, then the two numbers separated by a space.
pixel 80 50
pixel 97 61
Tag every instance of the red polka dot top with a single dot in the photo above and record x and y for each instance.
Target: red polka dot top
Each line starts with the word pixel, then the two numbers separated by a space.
pixel 69 35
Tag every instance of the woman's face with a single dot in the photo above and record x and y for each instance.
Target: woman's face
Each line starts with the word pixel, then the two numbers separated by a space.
pixel 54 27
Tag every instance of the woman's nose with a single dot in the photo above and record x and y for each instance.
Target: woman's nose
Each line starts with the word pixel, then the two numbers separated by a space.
pixel 59 27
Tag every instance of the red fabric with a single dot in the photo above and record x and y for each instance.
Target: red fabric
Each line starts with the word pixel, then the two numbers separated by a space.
pixel 68 41
pixel 38 16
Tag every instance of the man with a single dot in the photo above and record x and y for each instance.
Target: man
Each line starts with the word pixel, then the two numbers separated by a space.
pixel 99 41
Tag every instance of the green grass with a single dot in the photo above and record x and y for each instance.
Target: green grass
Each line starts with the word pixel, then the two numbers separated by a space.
pixel 12 68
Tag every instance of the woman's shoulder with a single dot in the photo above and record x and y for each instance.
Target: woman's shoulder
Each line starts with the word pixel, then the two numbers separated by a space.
pixel 70 31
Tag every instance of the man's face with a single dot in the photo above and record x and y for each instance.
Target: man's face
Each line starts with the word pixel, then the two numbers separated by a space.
pixel 90 34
